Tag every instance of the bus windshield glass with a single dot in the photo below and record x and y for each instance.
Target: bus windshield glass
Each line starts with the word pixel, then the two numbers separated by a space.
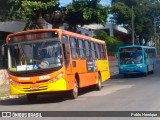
pixel 131 57
pixel 35 55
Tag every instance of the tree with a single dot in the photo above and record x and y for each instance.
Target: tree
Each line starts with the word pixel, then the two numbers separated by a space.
pixel 145 11
pixel 79 12
pixel 33 10
pixel 100 34
pixel 86 12
pixel 4 9
pixel 121 14
pixel 112 43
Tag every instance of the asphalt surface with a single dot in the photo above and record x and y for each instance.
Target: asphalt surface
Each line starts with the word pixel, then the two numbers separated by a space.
pixel 113 65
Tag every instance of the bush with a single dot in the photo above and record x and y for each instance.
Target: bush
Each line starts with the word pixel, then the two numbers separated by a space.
pixel 112 43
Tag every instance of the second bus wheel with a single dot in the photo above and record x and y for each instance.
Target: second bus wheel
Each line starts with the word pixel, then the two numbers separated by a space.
pixel 74 92
pixel 146 73
pixel 32 97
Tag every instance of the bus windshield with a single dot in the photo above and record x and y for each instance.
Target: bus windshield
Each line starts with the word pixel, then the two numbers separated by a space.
pixel 131 57
pixel 35 55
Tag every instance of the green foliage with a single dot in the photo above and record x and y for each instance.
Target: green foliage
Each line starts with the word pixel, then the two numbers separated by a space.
pixel 121 13
pixel 4 9
pixel 145 11
pixel 31 8
pixel 86 13
pixel 100 34
pixel 112 43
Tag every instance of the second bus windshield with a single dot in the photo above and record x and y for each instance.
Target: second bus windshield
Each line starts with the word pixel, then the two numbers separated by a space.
pixel 131 57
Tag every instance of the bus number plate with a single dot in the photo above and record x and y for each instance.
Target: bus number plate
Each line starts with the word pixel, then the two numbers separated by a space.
pixel 34 88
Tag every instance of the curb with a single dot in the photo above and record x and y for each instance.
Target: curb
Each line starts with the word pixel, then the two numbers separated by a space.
pixel 114 73
pixel 9 97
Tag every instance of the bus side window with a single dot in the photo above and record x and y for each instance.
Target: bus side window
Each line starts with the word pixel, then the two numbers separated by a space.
pixel 74 50
pixel 66 50
pixel 100 51
pixel 93 50
pixel 88 55
pixel 81 49
pixel 97 51
pixel 104 51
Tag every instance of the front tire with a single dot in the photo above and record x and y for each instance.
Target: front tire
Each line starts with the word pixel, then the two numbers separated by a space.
pixel 125 75
pixel 74 92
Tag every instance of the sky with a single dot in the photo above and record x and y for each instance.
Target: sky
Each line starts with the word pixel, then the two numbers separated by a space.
pixel 103 2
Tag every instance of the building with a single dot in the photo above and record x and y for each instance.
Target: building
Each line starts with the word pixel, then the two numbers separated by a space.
pixel 111 29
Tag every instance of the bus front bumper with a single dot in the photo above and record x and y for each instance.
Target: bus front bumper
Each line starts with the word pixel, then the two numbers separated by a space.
pixel 131 71
pixel 17 89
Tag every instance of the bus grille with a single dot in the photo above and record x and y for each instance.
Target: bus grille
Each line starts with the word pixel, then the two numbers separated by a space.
pixel 28 89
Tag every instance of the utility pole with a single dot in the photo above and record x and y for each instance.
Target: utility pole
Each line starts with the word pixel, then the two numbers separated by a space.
pixel 132 27
pixel 155 32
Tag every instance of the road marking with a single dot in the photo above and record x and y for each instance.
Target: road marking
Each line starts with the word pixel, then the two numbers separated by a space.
pixel 80 99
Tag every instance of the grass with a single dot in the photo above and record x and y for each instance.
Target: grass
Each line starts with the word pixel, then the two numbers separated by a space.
pixel 4 93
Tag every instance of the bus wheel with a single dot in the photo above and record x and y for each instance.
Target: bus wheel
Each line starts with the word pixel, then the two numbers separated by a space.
pixel 146 73
pixel 98 86
pixel 74 92
pixel 125 75
pixel 32 97
pixel 152 70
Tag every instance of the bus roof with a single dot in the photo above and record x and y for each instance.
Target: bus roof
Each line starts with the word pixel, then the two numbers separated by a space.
pixel 82 36
pixel 61 31
pixel 97 40
pixel 131 46
pixel 75 34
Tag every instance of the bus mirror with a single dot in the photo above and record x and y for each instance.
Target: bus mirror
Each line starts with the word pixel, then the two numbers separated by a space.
pixel 146 56
pixel 4 56
pixel 117 55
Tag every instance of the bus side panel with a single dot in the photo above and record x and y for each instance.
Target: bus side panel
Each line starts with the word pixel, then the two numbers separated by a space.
pixel 103 67
pixel 85 78
pixel 70 81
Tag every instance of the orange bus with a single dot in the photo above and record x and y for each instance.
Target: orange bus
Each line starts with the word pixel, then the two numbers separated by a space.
pixel 53 60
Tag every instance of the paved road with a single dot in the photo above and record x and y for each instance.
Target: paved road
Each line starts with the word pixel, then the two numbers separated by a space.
pixel 137 93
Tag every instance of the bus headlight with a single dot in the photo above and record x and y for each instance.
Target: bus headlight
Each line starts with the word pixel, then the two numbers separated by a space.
pixel 57 77
pixel 121 67
pixel 13 82
pixel 140 66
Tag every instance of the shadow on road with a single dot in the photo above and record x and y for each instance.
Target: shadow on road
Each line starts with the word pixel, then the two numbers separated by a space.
pixel 44 98
pixel 119 76
pixel 41 99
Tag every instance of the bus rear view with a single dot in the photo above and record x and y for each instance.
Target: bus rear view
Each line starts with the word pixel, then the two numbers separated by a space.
pixel 136 59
